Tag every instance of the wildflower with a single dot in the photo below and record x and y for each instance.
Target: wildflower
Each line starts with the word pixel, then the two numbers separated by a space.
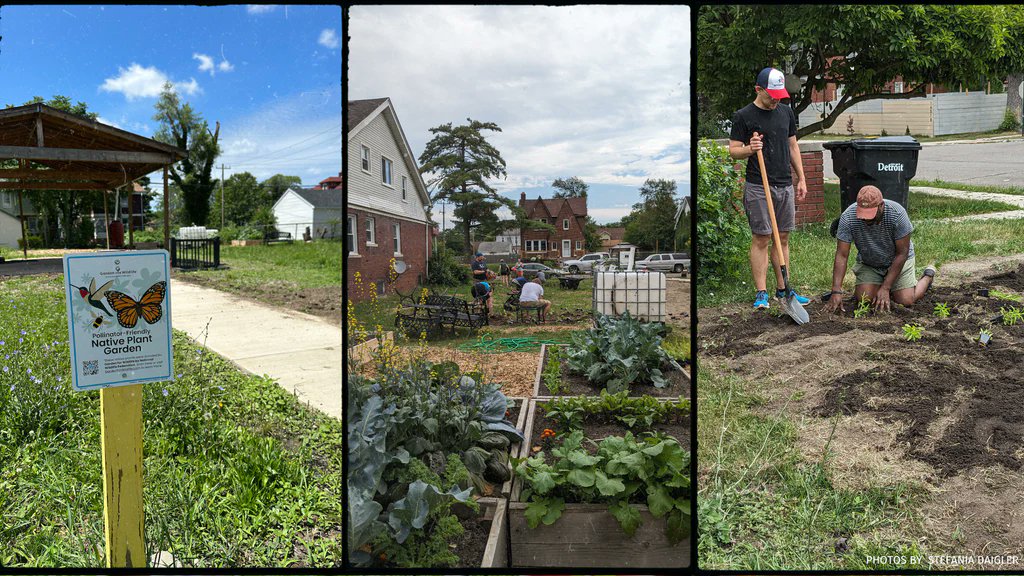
pixel 220 388
pixel 12 385
pixel 20 340
pixel 6 369
pixel 60 378
pixel 165 392
pixel 29 371
pixel 23 333
pixel 2 342
pixel 179 375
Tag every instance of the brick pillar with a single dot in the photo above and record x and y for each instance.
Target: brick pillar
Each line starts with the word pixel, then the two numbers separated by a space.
pixel 812 208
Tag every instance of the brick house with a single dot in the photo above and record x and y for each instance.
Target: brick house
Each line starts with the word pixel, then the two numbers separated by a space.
pixel 387 202
pixel 610 236
pixel 567 215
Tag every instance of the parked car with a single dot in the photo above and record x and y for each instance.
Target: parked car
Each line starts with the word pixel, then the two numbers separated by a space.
pixel 678 262
pixel 530 270
pixel 586 263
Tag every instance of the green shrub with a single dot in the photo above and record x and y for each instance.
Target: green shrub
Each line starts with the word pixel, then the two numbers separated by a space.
pixel 1009 121
pixel 33 242
pixel 721 224
pixel 446 269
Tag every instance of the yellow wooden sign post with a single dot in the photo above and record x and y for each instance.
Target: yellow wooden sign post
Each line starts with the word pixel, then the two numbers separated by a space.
pixel 121 428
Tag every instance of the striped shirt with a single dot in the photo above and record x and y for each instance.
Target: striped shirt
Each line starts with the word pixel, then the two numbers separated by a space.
pixel 876 243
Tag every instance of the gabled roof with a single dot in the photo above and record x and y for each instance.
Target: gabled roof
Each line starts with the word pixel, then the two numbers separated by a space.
pixel 362 112
pixel 359 110
pixel 319 198
pixel 614 232
pixel 578 205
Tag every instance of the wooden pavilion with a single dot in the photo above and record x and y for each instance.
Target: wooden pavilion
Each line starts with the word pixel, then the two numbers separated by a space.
pixel 56 150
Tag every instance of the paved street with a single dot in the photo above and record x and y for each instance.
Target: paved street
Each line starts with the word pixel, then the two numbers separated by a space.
pixel 989 163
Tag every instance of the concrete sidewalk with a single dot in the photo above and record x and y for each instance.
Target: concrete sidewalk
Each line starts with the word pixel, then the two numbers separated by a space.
pixel 1012 199
pixel 301 352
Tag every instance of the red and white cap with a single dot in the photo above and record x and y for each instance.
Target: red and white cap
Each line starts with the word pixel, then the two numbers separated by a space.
pixel 774 83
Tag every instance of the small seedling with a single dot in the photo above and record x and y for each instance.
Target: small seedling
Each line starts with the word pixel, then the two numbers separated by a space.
pixel 985 337
pixel 863 307
pixel 1006 296
pixel 1012 316
pixel 912 332
pixel 942 310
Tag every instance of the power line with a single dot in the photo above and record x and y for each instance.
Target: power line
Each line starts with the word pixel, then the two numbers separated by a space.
pixel 273 152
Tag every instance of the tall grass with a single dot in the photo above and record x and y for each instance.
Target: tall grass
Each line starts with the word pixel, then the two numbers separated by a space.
pixel 236 472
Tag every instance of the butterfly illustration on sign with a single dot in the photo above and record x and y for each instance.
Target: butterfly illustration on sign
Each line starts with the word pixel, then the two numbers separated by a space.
pixel 149 306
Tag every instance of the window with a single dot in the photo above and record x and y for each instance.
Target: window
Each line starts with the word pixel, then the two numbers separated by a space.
pixel 897 87
pixel 371 232
pixel 543 245
pixel 565 225
pixel 365 155
pixel 385 170
pixel 405 185
pixel 398 238
pixel 350 235
pixel 579 245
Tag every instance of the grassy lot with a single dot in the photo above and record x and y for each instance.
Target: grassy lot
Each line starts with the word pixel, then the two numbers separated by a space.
pixel 812 248
pixel 1017 190
pixel 764 507
pixel 237 472
pixel 943 138
pixel 298 265
pixel 926 206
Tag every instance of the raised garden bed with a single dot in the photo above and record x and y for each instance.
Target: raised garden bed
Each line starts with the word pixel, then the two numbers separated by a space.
pixel 578 385
pixel 587 534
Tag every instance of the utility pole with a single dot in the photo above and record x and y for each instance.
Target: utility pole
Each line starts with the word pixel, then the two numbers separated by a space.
pixel 222 167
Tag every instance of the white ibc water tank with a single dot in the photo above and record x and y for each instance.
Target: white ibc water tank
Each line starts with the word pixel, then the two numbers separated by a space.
pixel 640 293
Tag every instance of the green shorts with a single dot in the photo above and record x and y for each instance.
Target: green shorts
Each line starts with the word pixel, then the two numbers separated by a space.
pixel 870 275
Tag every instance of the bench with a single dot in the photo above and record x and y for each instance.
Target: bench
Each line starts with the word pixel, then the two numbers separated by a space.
pixel 435 312
pixel 277 236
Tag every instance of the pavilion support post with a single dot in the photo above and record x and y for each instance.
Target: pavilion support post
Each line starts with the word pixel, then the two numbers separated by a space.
pixel 167 210
pixel 131 216
pixel 106 219
pixel 24 235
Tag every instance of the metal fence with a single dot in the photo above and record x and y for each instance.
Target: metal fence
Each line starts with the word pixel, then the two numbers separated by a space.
pixel 195 254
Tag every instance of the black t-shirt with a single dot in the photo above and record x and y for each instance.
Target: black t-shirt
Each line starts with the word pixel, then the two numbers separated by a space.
pixel 776 126
pixel 479 270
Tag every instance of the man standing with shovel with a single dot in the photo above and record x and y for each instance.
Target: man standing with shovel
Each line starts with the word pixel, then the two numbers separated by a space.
pixel 765 126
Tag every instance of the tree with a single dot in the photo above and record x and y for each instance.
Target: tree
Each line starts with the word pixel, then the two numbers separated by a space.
pixel 590 237
pixel 277 184
pixel 243 196
pixel 461 161
pixel 651 224
pixel 572 187
pixel 182 127
pixel 860 47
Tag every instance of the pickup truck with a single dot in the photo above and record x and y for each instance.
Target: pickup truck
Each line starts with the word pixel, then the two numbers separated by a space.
pixel 585 263
pixel 678 262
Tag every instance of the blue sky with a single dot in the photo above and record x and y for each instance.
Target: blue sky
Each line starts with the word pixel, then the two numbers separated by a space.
pixel 599 92
pixel 270 74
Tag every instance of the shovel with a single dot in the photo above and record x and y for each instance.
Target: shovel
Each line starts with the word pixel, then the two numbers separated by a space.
pixel 789 304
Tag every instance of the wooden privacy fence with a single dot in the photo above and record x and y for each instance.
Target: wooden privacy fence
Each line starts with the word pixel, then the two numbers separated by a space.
pixel 195 254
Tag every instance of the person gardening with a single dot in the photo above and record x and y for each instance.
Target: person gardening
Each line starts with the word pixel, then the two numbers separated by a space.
pixel 479 267
pixel 503 271
pixel 766 126
pixel 531 297
pixel 483 292
pixel 884 270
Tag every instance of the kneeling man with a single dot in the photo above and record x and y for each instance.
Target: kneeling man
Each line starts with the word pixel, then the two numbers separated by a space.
pixel 885 254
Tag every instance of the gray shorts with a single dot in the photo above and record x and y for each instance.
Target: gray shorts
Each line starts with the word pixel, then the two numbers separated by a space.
pixel 756 207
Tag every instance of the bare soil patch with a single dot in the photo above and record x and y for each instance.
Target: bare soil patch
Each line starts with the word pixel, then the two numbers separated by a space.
pixel 325 302
pixel 944 412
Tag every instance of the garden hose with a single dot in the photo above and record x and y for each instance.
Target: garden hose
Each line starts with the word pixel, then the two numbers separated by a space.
pixel 486 345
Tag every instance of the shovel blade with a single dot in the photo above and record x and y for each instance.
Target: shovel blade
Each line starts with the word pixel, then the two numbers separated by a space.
pixel 795 310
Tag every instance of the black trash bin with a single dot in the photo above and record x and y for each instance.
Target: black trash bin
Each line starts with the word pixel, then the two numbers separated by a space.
pixel 889 163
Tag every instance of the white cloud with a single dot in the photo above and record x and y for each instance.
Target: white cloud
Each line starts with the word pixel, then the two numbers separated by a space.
pixel 329 38
pixel 103 120
pixel 139 81
pixel 225 66
pixel 205 63
pixel 599 92
pixel 260 8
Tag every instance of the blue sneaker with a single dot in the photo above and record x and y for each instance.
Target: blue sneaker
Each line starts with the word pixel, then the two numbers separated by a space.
pixel 799 298
pixel 761 300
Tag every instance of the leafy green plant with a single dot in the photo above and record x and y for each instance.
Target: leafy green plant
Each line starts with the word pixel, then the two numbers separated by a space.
pixel 912 332
pixel 1006 296
pixel 444 269
pixel 619 352
pixel 552 374
pixel 1009 121
pixel 863 307
pixel 942 310
pixel 625 470
pixel 1011 315
pixel 640 412
pixel 721 223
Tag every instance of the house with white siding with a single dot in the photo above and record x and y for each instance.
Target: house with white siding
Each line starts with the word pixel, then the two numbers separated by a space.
pixel 10 219
pixel 318 210
pixel 387 203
